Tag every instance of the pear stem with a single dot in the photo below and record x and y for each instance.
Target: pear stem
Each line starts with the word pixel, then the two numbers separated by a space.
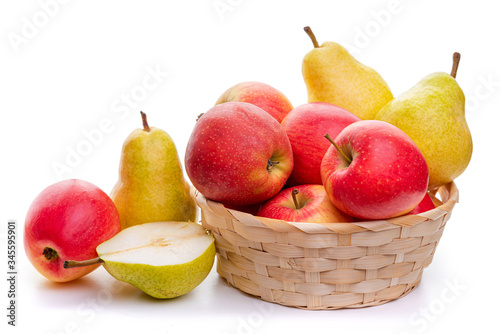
pixel 311 35
pixel 74 264
pixel 456 60
pixel 145 124
pixel 294 197
pixel 327 136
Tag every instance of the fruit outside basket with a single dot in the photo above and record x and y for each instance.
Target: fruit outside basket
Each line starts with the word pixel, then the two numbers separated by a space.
pixel 325 266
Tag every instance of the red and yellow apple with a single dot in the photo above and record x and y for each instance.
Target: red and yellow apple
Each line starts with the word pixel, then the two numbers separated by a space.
pixel 306 126
pixel 68 220
pixel 260 94
pixel 304 203
pixel 238 154
pixel 374 171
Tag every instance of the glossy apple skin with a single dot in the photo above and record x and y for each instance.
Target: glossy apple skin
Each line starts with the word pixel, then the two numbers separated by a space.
pixel 306 126
pixel 260 94
pixel 72 217
pixel 314 206
pixel 425 204
pixel 229 154
pixel 388 175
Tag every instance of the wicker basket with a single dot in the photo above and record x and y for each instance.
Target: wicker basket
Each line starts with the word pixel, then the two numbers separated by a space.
pixel 325 266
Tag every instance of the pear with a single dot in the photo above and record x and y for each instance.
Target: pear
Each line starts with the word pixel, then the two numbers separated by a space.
pixel 432 113
pixel 163 259
pixel 333 75
pixel 151 185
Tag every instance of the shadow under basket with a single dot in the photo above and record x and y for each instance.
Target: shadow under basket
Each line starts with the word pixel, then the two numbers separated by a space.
pixel 325 266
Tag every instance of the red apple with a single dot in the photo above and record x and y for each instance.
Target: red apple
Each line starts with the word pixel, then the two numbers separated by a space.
pixel 375 172
pixel 251 209
pixel 260 94
pixel 425 204
pixel 306 126
pixel 304 203
pixel 68 220
pixel 238 154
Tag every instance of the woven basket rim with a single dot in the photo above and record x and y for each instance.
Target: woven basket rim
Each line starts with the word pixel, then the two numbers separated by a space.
pixel 448 193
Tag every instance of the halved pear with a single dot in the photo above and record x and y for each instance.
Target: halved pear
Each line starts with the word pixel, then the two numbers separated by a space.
pixel 163 259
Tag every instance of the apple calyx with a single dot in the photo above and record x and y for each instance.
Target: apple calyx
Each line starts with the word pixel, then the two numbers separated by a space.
pixel 456 60
pixel 271 164
pixel 50 253
pixel 311 35
pixel 295 192
pixel 145 124
pixel 73 264
pixel 199 116
pixel 349 160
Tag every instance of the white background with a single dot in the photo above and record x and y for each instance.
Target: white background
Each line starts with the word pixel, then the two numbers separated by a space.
pixel 67 72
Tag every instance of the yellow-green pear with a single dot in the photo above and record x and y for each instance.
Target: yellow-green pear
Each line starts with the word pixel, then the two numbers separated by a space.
pixel 151 185
pixel 333 75
pixel 432 113
pixel 163 259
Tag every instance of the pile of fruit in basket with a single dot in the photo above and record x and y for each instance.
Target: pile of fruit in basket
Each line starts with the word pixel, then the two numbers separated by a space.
pixel 352 152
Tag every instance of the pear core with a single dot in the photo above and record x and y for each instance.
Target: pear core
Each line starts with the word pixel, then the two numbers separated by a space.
pixel 157 244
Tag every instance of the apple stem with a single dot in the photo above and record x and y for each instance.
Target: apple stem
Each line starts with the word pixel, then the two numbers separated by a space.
pixel 49 253
pixel 74 264
pixel 295 192
pixel 145 124
pixel 327 136
pixel 456 60
pixel 311 35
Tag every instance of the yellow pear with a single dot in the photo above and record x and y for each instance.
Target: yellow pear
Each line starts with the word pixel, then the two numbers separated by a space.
pixel 333 75
pixel 432 113
pixel 151 185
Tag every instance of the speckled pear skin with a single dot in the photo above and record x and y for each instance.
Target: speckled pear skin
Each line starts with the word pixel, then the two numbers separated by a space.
pixel 151 185
pixel 333 75
pixel 432 113
pixel 164 282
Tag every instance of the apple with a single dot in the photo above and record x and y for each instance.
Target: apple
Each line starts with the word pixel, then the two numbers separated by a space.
pixel 238 155
pixel 260 94
pixel 374 170
pixel 251 209
pixel 425 204
pixel 68 220
pixel 304 203
pixel 306 126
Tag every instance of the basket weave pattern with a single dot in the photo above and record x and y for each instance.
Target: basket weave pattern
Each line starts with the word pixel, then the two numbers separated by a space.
pixel 325 266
